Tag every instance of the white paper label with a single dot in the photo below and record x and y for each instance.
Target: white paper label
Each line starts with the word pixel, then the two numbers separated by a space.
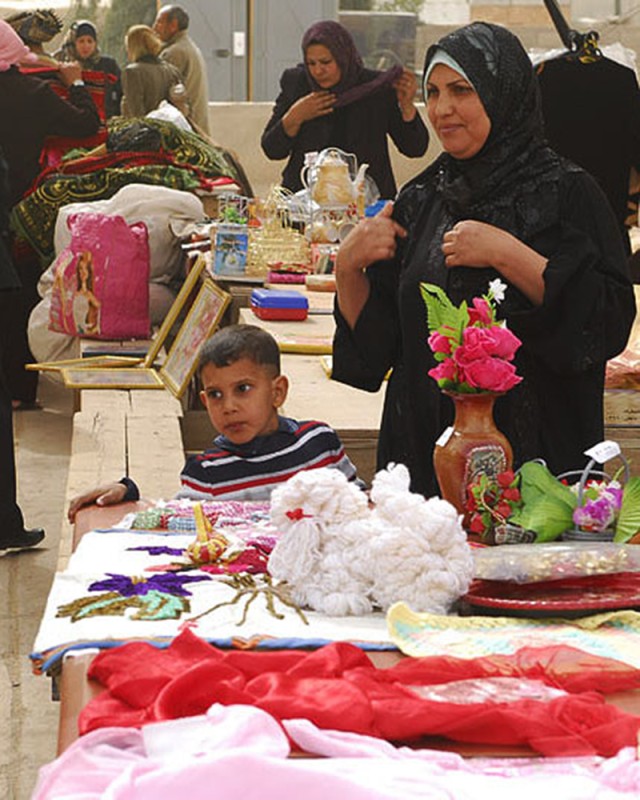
pixel 444 437
pixel 603 451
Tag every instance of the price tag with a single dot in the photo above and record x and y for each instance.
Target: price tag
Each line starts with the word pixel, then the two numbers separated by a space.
pixel 603 451
pixel 444 437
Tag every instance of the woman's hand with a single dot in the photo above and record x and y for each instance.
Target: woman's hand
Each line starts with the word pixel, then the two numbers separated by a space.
pixel 102 496
pixel 69 72
pixel 474 244
pixel 373 239
pixel 316 104
pixel 406 87
pixel 477 244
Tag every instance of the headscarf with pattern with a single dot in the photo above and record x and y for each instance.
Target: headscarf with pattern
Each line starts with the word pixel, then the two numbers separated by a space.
pixel 35 27
pixel 514 161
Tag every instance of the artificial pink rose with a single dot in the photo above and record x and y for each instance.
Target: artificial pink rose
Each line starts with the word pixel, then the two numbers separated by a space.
pixel 481 312
pixel 483 342
pixel 504 344
pixel 439 343
pixel 475 345
pixel 445 371
pixel 491 375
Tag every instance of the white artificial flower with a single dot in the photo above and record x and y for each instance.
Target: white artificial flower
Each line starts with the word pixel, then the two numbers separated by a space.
pixel 497 290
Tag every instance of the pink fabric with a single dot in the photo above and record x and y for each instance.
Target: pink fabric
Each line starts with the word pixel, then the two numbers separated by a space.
pixel 101 279
pixel 12 49
pixel 241 752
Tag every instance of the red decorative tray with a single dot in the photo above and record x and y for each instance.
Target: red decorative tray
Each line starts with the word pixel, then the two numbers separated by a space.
pixel 577 596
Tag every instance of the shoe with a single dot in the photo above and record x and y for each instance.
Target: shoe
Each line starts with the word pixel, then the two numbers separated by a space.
pixel 23 539
pixel 25 405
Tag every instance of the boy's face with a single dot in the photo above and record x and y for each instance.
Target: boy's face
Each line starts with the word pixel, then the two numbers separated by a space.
pixel 242 399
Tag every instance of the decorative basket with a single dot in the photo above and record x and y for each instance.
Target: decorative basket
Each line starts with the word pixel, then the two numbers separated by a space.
pixel 576 534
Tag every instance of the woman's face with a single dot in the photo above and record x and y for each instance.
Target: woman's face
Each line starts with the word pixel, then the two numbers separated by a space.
pixel 322 65
pixel 84 262
pixel 85 46
pixel 456 113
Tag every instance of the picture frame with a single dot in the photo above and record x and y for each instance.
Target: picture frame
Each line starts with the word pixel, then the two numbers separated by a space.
pixel 111 378
pixel 231 249
pixel 93 362
pixel 203 318
pixel 188 285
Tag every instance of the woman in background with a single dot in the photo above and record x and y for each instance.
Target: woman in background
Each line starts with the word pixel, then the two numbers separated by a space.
pixel 332 100
pixel 147 79
pixel 81 45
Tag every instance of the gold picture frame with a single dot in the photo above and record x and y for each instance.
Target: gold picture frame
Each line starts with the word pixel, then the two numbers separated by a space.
pixel 92 362
pixel 203 318
pixel 111 378
pixel 183 295
pixel 113 361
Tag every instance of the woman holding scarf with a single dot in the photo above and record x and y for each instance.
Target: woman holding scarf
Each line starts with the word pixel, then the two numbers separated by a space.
pixel 332 100
pixel 498 203
pixel 81 45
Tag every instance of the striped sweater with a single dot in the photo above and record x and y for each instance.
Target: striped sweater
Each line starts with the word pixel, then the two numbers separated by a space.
pixel 251 471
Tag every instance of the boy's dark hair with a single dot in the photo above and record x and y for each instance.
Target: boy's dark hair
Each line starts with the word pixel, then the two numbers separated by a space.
pixel 234 342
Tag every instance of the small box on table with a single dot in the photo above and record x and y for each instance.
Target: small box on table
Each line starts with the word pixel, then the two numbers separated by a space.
pixel 279 304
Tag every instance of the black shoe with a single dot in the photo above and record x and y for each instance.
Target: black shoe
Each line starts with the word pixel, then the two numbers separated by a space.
pixel 20 540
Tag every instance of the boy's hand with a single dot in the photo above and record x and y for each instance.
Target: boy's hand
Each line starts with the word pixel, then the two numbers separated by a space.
pixel 102 496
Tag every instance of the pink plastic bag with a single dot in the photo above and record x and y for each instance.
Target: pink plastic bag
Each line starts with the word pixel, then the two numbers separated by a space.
pixel 101 280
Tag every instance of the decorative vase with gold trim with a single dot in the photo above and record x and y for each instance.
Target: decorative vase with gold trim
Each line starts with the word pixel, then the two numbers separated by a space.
pixel 473 445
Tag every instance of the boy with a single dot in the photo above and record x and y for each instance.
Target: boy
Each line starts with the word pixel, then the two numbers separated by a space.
pixel 256 449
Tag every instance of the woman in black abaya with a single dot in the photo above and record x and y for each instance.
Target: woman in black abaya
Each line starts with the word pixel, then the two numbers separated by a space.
pixel 498 203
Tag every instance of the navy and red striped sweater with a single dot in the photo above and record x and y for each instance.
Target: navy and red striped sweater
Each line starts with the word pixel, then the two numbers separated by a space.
pixel 251 471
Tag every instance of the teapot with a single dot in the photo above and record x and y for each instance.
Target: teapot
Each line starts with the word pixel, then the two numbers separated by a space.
pixel 328 178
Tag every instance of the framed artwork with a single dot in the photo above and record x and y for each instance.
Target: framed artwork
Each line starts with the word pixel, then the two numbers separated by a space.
pixel 93 362
pixel 111 378
pixel 231 248
pixel 183 295
pixel 203 318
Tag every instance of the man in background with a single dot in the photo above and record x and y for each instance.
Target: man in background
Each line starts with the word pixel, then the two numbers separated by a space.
pixel 171 25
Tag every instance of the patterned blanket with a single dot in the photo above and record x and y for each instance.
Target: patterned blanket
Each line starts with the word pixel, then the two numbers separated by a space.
pixel 137 151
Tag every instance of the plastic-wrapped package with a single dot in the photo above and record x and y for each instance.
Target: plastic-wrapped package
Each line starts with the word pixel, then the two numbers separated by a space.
pixel 530 563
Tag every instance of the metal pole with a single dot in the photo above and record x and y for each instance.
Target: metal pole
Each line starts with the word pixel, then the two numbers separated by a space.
pixel 560 23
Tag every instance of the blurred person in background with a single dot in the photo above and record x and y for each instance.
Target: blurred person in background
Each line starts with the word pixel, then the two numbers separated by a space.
pixel 30 110
pixel 171 25
pixel 147 79
pixel 81 45
pixel 333 100
pixel 12 531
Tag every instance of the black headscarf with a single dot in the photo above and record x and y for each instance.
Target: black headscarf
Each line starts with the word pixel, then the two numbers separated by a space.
pixel 355 80
pixel 512 181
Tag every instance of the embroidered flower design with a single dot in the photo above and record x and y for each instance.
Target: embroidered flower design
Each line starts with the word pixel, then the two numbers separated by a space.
pixel 161 596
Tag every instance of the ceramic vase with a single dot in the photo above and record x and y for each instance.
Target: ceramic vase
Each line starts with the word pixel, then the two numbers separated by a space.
pixel 472 446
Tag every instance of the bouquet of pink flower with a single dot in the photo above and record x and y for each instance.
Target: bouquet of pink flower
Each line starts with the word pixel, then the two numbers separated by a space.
pixel 473 349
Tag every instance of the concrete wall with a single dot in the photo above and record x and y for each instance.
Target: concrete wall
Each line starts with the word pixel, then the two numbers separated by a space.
pixel 239 126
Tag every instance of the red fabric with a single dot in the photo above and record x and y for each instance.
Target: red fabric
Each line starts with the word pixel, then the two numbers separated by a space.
pixel 338 687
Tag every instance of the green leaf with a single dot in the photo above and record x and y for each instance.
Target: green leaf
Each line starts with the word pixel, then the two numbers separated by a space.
pixel 629 517
pixel 441 312
pixel 547 505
